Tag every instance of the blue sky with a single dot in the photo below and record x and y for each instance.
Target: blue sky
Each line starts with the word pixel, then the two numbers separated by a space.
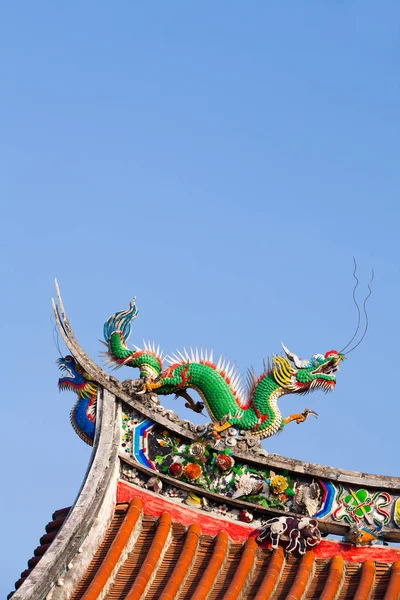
pixel 221 161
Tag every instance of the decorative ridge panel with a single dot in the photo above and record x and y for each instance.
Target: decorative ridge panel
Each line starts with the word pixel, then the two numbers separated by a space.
pixel 148 405
pixel 154 457
pixel 218 466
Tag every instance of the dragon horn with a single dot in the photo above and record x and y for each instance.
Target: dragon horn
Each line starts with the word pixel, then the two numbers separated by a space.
pixel 300 364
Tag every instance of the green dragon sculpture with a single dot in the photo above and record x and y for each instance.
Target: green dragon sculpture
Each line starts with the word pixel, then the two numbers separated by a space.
pixel 229 403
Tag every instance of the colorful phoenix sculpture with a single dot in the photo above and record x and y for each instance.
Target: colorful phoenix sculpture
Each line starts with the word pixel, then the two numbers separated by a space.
pixel 252 408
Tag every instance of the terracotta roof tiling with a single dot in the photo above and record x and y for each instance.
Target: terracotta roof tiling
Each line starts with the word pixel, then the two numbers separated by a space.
pixel 52 528
pixel 99 557
pixel 169 561
pixel 147 553
pixel 183 563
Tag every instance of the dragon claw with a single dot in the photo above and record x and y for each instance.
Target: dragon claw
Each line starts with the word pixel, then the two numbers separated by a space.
pixel 137 387
pixel 221 425
pixel 197 407
pixel 132 386
pixel 307 412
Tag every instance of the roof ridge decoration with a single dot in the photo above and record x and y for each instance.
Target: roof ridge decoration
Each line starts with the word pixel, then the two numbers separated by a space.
pixel 221 467
pixel 254 412
pixel 196 474
pixel 83 413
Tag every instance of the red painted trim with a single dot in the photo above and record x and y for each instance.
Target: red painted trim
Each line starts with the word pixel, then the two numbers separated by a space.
pixel 155 505
pixel 327 549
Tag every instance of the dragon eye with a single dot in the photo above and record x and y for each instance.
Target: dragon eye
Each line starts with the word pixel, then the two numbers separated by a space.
pixel 68 358
pixel 318 358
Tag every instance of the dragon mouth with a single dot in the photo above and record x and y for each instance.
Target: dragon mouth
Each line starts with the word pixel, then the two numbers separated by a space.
pixel 323 377
pixel 69 373
pixel 329 367
pixel 327 385
pixel 325 374
pixel 71 378
pixel 65 382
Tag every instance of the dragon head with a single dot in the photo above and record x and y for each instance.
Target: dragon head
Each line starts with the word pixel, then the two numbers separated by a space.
pixel 301 376
pixel 83 414
pixel 75 379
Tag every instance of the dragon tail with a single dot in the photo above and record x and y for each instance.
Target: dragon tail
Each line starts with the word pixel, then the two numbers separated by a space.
pixel 117 330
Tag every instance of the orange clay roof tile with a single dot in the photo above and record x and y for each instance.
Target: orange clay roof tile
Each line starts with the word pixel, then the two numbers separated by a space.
pixel 114 553
pixel 303 576
pixel 393 590
pixel 272 575
pixel 366 582
pixel 183 564
pixel 149 565
pixel 237 585
pixel 334 579
pixel 213 568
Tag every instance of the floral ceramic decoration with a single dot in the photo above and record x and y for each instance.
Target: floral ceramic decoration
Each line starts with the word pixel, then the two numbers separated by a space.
pixel 199 464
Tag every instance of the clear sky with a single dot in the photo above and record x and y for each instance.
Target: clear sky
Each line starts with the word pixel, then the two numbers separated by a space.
pixel 222 161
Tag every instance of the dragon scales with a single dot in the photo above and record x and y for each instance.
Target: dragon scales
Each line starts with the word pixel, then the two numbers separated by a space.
pixel 254 410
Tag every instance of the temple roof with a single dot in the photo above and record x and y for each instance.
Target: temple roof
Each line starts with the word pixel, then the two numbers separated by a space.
pixel 167 511
pixel 158 558
pixel 148 552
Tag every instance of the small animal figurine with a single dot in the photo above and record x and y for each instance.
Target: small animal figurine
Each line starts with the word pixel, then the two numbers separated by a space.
pixel 300 533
